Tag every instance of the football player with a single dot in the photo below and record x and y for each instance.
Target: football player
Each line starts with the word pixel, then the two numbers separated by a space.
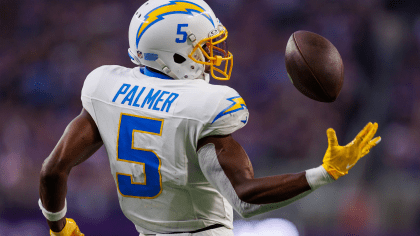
pixel 167 133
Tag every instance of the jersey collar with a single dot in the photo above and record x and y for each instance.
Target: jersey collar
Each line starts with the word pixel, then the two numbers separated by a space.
pixel 150 73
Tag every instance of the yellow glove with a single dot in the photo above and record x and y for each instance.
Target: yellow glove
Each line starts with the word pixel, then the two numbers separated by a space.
pixel 338 160
pixel 71 229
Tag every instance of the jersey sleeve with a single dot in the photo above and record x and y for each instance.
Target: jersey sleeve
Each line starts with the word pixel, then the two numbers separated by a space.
pixel 231 114
pixel 89 87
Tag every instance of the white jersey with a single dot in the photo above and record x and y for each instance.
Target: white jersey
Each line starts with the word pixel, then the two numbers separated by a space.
pixel 150 128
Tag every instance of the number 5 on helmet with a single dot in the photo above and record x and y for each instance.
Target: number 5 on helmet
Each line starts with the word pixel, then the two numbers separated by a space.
pixel 71 229
pixel 338 160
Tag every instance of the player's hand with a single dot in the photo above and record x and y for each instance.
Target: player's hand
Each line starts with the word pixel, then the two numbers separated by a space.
pixel 71 229
pixel 338 160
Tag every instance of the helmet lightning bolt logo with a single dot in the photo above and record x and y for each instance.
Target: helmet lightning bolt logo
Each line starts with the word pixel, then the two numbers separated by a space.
pixel 173 7
pixel 238 104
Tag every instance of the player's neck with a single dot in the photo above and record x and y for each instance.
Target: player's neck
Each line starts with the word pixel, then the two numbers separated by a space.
pixel 155 71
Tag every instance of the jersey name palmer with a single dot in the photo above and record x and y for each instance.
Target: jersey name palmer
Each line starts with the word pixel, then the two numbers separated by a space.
pixel 144 97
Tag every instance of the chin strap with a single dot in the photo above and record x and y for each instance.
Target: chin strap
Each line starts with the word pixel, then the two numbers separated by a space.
pixel 199 56
pixel 166 69
pixel 193 40
pixel 207 77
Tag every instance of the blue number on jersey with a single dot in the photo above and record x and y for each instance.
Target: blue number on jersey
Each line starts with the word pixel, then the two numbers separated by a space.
pixel 183 33
pixel 126 152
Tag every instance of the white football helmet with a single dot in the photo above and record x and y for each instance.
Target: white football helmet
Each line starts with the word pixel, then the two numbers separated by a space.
pixel 180 38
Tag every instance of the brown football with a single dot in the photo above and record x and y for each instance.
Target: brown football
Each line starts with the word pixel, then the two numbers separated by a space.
pixel 315 66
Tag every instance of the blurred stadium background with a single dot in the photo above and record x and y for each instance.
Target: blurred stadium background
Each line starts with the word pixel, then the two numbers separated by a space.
pixel 47 47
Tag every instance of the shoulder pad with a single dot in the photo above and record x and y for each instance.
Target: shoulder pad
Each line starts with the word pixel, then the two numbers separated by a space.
pixel 91 82
pixel 231 114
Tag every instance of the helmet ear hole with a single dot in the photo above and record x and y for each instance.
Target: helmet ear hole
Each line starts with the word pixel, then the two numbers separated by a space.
pixel 179 59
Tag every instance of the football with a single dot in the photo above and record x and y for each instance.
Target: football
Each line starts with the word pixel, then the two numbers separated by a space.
pixel 314 66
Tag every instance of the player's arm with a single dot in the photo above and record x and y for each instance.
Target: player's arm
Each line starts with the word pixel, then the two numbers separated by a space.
pixel 227 167
pixel 80 140
pixel 238 169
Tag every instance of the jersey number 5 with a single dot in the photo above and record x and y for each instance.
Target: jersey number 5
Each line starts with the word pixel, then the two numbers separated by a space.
pixel 151 187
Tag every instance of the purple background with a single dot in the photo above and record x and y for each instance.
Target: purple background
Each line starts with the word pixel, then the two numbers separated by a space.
pixel 47 47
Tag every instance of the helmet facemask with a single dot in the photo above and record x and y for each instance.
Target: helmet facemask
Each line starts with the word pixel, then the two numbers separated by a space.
pixel 213 52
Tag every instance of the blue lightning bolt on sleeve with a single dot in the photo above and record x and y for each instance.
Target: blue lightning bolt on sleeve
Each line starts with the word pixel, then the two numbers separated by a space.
pixel 231 114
